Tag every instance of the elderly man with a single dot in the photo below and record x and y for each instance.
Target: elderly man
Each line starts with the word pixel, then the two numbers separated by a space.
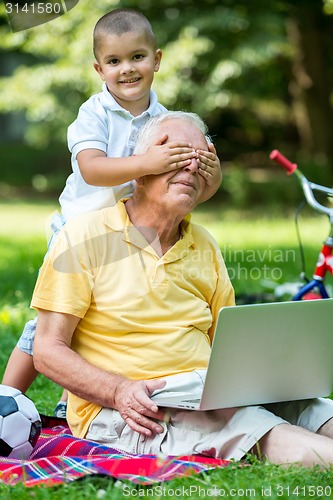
pixel 128 299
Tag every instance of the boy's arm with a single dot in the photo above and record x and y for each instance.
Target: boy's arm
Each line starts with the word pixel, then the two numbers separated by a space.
pixel 99 170
pixel 210 169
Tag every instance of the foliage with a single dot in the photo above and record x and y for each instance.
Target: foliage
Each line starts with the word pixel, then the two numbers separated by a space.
pixel 26 168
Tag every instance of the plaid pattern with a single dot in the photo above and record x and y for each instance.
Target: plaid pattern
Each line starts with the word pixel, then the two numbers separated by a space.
pixel 59 458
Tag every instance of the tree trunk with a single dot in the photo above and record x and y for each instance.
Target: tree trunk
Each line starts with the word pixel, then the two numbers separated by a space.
pixel 308 29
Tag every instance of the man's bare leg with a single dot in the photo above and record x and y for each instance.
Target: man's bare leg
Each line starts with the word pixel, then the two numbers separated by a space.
pixel 289 444
pixel 327 429
pixel 20 371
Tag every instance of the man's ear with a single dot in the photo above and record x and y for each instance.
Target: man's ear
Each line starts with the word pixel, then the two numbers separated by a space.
pixel 99 70
pixel 140 181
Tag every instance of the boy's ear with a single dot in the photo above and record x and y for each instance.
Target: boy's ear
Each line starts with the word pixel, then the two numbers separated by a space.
pixel 99 70
pixel 158 57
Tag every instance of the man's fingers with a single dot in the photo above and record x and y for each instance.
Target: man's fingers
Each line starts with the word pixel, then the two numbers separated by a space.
pixel 138 410
pixel 143 424
pixel 137 427
pixel 154 384
pixel 148 408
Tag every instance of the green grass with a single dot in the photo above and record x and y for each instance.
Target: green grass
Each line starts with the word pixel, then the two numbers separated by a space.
pixel 261 249
pixel 249 241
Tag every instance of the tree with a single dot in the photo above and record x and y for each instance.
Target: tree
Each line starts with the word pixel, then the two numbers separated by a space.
pixel 240 65
pixel 309 32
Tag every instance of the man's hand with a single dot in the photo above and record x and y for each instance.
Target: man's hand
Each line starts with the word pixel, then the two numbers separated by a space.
pixel 132 400
pixel 164 156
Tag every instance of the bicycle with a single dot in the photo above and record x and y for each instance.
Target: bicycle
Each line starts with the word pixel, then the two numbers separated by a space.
pixel 314 288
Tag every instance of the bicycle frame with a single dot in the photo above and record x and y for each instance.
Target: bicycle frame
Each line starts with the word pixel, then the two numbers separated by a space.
pixel 325 258
pixel 324 265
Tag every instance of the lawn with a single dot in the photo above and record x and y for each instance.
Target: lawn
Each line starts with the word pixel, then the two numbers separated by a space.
pixel 260 250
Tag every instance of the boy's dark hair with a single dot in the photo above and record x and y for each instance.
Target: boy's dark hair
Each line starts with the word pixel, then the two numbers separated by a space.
pixel 121 21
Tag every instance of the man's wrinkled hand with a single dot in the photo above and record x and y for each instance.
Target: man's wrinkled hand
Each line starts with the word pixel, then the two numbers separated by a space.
pixel 132 400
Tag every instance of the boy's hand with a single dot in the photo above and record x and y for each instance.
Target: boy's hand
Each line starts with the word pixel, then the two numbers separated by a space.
pixel 210 169
pixel 163 157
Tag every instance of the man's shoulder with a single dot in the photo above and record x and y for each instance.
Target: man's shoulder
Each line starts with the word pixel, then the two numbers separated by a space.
pixel 96 220
pixel 200 230
pixel 203 238
pixel 83 224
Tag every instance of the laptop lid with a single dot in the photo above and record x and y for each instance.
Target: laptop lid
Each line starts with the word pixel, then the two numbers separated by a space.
pixel 265 353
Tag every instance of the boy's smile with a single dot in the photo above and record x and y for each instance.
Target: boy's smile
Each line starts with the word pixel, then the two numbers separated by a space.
pixel 127 64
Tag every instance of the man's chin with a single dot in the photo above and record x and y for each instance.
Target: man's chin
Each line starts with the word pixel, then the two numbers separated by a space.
pixel 188 201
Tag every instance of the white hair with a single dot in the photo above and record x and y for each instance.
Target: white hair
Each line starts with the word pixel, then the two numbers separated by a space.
pixel 150 131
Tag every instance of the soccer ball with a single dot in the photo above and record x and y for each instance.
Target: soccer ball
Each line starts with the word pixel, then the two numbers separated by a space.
pixel 20 424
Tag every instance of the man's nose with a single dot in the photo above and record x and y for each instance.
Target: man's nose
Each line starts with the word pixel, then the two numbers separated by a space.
pixel 193 167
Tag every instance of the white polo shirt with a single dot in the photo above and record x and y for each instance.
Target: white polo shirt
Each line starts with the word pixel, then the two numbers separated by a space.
pixel 101 124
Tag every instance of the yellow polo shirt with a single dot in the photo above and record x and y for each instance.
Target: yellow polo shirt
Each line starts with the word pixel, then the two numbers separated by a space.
pixel 142 316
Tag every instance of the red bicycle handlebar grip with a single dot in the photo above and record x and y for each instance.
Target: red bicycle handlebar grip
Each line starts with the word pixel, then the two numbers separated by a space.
pixel 283 161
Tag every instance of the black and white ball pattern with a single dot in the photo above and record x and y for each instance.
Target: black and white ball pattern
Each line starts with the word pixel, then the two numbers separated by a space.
pixel 20 424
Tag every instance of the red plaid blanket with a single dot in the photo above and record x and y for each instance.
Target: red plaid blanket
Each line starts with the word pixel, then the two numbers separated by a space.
pixel 59 457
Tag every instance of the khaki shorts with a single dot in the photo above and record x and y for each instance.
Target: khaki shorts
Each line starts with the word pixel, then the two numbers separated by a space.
pixel 228 433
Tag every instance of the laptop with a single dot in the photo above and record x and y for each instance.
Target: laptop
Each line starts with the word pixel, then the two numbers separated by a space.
pixel 265 353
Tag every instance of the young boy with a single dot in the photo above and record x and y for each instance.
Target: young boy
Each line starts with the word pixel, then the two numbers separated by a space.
pixel 102 140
